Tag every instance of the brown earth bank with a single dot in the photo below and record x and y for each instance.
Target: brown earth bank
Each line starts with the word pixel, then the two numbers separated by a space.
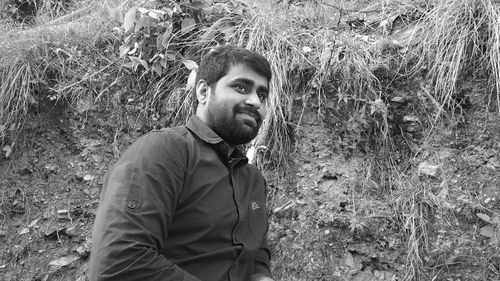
pixel 331 217
pixel 387 177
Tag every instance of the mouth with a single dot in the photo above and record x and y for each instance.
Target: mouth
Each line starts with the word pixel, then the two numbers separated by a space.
pixel 250 119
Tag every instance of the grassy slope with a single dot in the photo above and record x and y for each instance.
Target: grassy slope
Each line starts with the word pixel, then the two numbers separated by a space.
pixel 352 203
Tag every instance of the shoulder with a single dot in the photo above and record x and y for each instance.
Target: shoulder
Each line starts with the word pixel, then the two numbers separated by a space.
pixel 165 136
pixel 170 143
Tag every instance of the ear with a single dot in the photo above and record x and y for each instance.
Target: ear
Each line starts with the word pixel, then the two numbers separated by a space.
pixel 202 91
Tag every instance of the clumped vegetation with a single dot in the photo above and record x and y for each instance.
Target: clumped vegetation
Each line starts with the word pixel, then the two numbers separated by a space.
pixel 357 65
pixel 458 42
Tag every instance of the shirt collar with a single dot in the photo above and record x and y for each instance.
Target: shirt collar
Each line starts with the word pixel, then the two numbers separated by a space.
pixel 205 133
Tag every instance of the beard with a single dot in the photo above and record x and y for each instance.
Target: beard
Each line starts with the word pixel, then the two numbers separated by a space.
pixel 231 125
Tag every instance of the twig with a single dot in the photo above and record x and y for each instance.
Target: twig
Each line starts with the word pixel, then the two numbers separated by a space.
pixel 363 11
pixel 85 78
pixel 69 16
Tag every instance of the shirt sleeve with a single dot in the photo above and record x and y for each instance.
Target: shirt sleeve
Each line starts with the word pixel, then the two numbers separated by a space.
pixel 137 205
pixel 262 263
pixel 262 260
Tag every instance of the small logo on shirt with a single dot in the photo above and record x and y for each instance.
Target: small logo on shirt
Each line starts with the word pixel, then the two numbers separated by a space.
pixel 254 206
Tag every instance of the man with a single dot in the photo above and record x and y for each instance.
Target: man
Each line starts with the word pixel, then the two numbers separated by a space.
pixel 183 203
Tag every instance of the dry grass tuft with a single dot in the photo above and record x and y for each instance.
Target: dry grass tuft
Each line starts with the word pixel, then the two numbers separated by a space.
pixel 411 206
pixel 50 60
pixel 460 41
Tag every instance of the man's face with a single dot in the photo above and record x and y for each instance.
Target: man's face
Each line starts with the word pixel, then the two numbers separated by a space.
pixel 236 104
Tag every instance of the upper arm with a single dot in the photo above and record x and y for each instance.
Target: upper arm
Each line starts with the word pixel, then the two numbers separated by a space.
pixel 137 205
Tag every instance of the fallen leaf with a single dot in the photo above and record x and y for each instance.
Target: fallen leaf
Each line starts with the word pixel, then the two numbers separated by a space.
pixel 64 261
pixel 191 65
pixel 484 217
pixel 24 231
pixel 130 19
pixel 191 80
pixel 115 14
pixel 8 150
pixel 33 223
pixel 349 260
pixel 495 220
pixel 488 231
pixel 187 25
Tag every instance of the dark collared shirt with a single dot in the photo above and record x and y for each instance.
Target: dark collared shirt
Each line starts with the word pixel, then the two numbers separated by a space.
pixel 177 206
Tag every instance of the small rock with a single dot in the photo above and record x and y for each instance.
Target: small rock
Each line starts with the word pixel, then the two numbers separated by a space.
pixel 24 231
pixel 410 118
pixel 349 260
pixel 379 274
pixel 399 99
pixel 72 231
pixel 51 168
pixel 83 251
pixel 3 233
pixel 428 169
pixel 64 261
pixel 63 214
pixel 53 232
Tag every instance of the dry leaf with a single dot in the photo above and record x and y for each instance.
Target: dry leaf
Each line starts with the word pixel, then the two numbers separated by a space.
pixel 24 231
pixel 188 24
pixel 488 231
pixel 130 19
pixel 191 65
pixel 484 217
pixel 191 80
pixel 8 150
pixel 64 261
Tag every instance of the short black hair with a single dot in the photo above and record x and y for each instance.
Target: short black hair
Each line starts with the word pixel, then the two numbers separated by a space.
pixel 217 63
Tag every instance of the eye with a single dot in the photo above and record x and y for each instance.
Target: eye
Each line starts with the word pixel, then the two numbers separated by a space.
pixel 241 89
pixel 262 96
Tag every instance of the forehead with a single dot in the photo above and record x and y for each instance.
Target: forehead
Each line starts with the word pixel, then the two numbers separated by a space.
pixel 243 72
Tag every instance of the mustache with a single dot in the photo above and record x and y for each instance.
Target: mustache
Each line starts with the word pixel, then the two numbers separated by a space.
pixel 251 112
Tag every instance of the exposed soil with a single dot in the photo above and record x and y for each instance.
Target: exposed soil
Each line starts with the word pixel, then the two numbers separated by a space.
pixel 329 220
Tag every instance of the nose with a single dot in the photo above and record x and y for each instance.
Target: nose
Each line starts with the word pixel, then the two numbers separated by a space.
pixel 253 100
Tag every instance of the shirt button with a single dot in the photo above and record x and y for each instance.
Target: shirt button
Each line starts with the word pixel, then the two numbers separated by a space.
pixel 131 204
pixel 222 146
